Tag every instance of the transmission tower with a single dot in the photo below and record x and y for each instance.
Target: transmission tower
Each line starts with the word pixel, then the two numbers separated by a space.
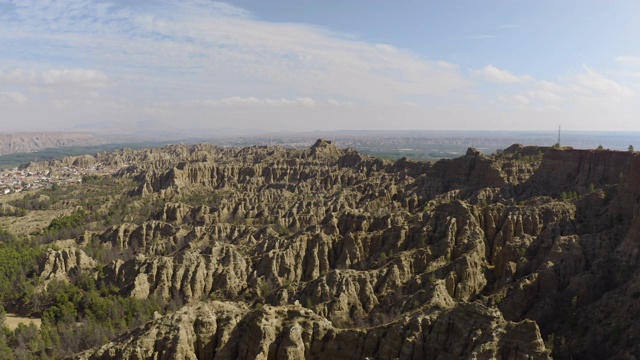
pixel 558 135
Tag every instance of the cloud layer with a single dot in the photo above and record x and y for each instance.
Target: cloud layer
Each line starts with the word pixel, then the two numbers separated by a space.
pixel 493 74
pixel 206 64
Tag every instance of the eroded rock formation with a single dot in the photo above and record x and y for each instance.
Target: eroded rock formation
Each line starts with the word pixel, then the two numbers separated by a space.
pixel 328 253
pixel 217 330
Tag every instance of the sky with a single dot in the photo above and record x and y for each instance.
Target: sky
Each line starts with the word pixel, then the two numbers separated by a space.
pixel 303 65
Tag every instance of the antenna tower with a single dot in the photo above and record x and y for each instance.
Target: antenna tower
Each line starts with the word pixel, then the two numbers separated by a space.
pixel 558 135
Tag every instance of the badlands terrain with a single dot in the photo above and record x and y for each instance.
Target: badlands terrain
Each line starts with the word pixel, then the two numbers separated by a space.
pixel 324 253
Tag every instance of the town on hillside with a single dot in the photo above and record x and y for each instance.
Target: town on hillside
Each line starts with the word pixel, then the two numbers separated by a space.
pixel 16 180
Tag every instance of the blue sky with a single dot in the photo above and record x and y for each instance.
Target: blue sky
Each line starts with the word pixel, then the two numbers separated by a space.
pixel 329 65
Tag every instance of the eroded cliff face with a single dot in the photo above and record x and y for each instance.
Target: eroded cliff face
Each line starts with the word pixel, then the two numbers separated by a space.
pixel 216 330
pixel 327 253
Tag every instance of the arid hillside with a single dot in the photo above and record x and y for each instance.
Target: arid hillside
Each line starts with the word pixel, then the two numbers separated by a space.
pixel 325 253
pixel 29 142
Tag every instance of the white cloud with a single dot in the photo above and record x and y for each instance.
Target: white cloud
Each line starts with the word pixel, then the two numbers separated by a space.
pixel 585 100
pixel 9 97
pixel 249 101
pixel 593 83
pixel 17 77
pixel 493 74
pixel 177 48
pixel 79 60
pixel 515 100
pixel 74 76
pixel 334 102
pixel 62 104
pixel 545 96
pixel 633 61
pixel 630 68
pixel 387 48
pixel 550 86
pixel 54 77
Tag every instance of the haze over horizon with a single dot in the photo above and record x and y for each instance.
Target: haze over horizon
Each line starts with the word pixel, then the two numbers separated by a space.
pixel 309 65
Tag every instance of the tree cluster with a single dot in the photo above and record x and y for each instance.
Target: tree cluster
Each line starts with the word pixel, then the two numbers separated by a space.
pixel 75 315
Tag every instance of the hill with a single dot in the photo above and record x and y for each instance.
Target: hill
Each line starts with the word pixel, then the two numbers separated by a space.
pixel 29 142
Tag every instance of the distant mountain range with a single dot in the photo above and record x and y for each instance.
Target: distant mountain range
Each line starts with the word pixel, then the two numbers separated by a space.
pixel 418 144
pixel 34 141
